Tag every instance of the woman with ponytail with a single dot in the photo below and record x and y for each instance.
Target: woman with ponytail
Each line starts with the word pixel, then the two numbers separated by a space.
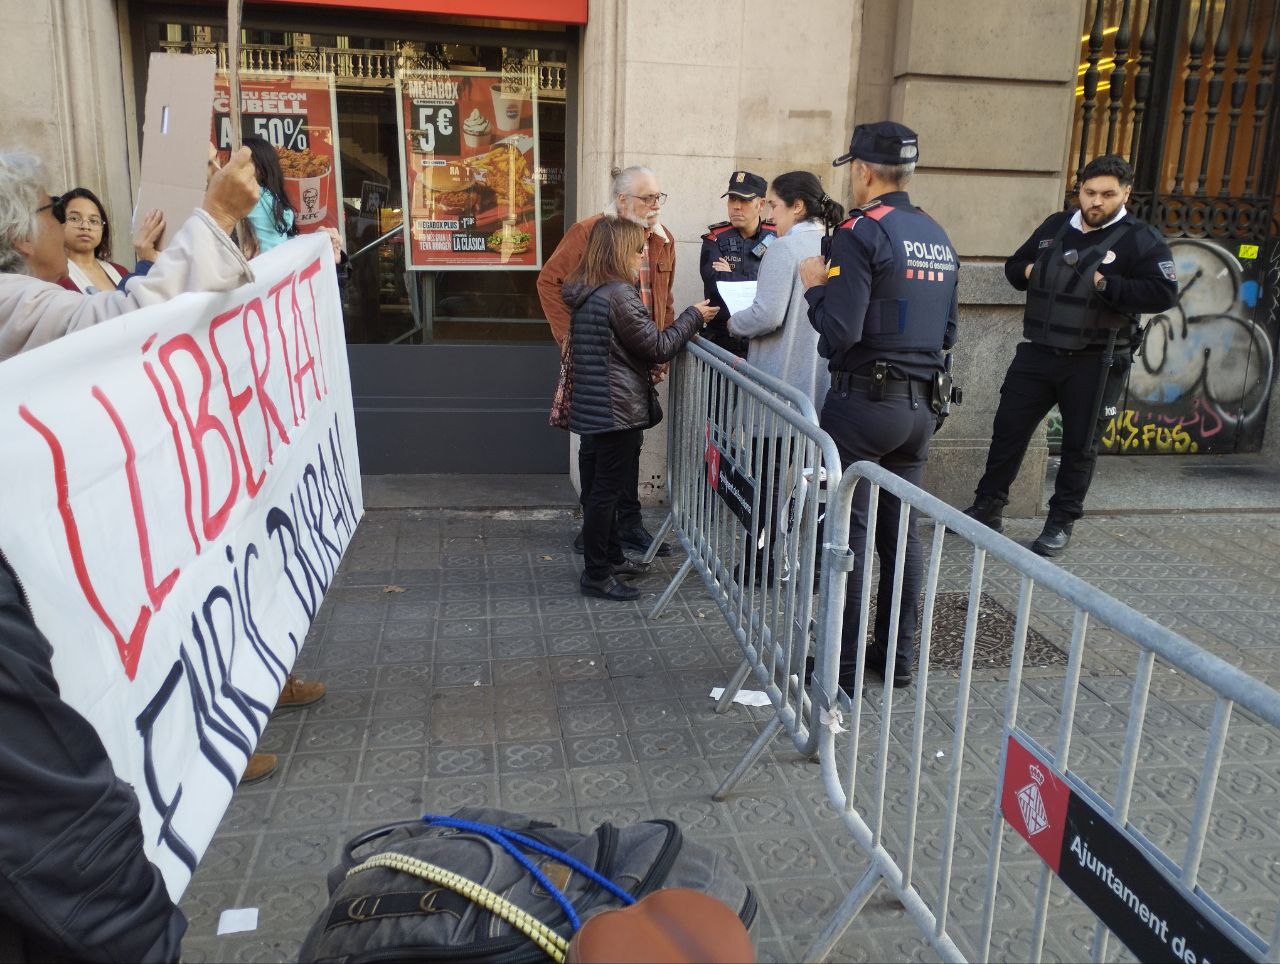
pixel 783 343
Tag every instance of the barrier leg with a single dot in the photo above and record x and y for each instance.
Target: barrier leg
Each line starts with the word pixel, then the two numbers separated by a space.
pixel 658 536
pixel 843 916
pixel 670 591
pixel 731 688
pixel 746 762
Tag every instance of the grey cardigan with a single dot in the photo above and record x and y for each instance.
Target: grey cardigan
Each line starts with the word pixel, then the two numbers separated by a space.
pixel 783 343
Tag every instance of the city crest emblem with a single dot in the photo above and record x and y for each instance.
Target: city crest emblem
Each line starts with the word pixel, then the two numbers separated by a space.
pixel 1031 803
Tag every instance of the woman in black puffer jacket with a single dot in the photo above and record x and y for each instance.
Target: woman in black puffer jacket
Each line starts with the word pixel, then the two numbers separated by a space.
pixel 615 345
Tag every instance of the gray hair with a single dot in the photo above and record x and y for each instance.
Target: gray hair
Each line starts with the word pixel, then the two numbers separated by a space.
pixel 622 183
pixel 23 181
pixel 898 174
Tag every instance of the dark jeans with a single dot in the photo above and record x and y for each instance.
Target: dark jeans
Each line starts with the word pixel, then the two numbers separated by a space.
pixel 896 435
pixel 616 463
pixel 1037 379
pixel 629 500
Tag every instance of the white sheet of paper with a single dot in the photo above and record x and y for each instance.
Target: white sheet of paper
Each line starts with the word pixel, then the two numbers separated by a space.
pixel 737 295
pixel 238 919
pixel 745 697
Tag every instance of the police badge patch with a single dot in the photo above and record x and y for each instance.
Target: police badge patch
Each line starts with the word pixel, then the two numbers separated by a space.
pixel 1167 269
pixel 1046 243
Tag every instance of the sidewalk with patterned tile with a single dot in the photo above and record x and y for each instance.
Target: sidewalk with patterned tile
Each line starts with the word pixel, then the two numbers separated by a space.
pixel 465 668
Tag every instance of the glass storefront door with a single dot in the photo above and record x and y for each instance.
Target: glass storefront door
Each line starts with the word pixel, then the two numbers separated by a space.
pixel 452 370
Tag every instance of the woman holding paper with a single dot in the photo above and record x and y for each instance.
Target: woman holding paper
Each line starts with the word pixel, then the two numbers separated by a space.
pixel 783 343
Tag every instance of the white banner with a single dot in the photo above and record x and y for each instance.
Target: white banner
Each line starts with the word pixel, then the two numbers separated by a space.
pixel 177 488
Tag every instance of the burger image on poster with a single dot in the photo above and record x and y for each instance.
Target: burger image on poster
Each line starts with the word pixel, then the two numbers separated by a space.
pixel 507 106
pixel 446 193
pixel 476 130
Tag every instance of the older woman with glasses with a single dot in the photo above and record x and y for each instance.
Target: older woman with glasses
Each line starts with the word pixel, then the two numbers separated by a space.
pixel 35 311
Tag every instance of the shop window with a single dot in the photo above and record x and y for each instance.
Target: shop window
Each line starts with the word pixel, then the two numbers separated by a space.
pixel 386 301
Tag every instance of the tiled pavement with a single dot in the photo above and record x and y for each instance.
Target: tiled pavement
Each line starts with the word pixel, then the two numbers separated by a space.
pixel 464 667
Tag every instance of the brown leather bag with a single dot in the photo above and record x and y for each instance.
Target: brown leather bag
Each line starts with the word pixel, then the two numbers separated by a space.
pixel 671 926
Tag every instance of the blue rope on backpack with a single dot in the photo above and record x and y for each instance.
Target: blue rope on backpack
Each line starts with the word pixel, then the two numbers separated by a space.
pixel 511 841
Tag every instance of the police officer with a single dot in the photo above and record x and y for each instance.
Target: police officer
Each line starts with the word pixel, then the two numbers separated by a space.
pixel 1088 274
pixel 884 307
pixel 731 251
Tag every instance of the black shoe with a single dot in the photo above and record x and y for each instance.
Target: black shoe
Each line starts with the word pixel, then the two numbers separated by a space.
pixel 903 674
pixel 989 512
pixel 638 540
pixel 577 543
pixel 630 567
pixel 1053 539
pixel 609 588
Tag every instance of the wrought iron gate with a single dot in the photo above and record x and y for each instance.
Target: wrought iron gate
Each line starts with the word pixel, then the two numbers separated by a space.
pixel 1186 91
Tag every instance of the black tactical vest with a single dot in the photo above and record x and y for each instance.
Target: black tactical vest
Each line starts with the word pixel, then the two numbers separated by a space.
pixel 909 308
pixel 1063 307
pixel 743 254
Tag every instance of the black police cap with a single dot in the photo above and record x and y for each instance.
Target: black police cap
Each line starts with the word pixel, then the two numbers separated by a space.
pixel 744 184
pixel 881 143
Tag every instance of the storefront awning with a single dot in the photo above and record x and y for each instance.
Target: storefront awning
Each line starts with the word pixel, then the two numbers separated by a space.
pixel 541 11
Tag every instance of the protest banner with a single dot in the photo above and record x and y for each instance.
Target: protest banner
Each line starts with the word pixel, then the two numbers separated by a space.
pixel 297 114
pixel 469 156
pixel 178 487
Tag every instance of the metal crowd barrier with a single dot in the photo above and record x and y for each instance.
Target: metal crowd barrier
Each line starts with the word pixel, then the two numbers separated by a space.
pixel 1103 766
pixel 736 437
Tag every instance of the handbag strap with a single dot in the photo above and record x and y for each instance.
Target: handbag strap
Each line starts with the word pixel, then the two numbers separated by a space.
pixel 551 943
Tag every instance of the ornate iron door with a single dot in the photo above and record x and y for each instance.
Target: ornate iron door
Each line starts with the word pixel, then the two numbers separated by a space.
pixel 1185 90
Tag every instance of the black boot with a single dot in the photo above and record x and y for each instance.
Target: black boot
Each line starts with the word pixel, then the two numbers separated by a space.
pixel 1053 539
pixel 989 512
pixel 637 539
pixel 609 588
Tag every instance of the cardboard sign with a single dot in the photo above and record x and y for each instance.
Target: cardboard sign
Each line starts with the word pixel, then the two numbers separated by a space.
pixel 1155 916
pixel 175 138
pixel 178 487
pixel 469 157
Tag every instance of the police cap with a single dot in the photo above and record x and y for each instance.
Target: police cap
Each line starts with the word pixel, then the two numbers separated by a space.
pixel 881 143
pixel 744 184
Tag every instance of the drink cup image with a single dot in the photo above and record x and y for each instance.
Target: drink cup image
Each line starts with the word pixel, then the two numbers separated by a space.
pixel 507 106
pixel 477 132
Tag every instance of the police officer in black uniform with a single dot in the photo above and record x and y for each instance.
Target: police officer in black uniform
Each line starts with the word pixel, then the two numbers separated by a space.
pixel 884 307
pixel 731 251
pixel 1088 274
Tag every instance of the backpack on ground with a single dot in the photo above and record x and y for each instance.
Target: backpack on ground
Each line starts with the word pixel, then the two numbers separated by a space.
pixel 452 890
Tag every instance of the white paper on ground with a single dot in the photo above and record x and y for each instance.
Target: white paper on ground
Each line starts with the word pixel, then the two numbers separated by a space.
pixel 238 919
pixel 737 295
pixel 745 697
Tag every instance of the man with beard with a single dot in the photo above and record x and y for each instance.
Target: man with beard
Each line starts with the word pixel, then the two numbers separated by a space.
pixel 1088 275
pixel 635 195
pixel 731 251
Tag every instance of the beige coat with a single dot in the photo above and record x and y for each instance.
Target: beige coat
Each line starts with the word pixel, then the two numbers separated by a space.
pixel 199 258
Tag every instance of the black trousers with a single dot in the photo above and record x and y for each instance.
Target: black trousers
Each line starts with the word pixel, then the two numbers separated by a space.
pixel 629 501
pixel 894 432
pixel 616 463
pixel 1038 379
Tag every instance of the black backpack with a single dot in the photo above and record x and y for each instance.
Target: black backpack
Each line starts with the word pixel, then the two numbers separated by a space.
pixel 381 909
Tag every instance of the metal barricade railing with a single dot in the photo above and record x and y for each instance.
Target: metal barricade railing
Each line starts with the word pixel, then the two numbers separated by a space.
pixel 1134 731
pixel 746 470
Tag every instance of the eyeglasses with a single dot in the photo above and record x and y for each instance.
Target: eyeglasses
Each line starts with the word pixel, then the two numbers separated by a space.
pixel 653 200
pixel 93 222
pixel 58 207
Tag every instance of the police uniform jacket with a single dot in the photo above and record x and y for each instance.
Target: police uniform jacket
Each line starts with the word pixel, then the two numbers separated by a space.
pixel 614 345
pixel 1130 254
pixel 724 241
pixel 891 292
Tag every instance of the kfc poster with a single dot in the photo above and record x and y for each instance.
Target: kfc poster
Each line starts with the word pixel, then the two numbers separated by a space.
pixel 297 114
pixel 470 154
